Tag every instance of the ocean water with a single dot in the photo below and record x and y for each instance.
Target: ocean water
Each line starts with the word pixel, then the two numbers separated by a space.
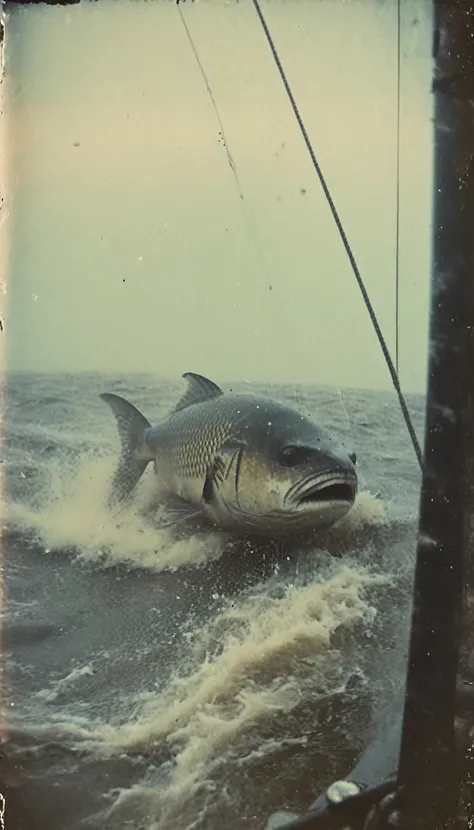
pixel 162 681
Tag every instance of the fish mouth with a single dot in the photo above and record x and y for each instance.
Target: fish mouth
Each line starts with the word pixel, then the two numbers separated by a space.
pixel 328 491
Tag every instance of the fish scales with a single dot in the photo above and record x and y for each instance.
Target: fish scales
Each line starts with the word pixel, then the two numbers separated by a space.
pixel 190 438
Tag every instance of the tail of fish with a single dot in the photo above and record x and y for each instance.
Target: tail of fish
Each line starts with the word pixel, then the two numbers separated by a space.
pixel 132 428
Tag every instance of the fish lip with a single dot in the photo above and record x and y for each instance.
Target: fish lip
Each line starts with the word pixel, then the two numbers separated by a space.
pixel 323 489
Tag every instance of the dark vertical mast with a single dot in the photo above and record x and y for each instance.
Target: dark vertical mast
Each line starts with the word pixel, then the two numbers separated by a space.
pixel 427 769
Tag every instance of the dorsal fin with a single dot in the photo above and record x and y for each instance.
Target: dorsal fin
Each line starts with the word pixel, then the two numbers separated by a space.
pixel 199 389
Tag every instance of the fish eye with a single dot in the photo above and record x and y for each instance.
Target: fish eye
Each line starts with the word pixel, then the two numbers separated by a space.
pixel 353 457
pixel 290 456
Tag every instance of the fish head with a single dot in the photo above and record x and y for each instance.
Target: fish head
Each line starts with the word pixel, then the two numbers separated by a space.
pixel 289 475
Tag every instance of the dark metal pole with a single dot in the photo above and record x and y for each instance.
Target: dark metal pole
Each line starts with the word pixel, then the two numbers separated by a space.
pixel 428 770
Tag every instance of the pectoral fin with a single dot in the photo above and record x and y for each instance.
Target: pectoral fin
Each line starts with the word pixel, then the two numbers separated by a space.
pixel 226 462
pixel 174 510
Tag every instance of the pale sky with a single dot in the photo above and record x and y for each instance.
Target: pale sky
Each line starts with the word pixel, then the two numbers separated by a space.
pixel 129 246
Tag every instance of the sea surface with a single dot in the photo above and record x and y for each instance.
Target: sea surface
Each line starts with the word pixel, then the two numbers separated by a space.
pixel 168 681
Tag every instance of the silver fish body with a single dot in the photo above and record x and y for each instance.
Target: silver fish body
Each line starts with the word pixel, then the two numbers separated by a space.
pixel 248 463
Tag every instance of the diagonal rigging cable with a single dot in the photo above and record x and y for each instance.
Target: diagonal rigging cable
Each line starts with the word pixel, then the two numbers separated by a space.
pixel 378 331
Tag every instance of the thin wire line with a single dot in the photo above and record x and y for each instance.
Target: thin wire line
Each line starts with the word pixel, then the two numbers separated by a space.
pixel 345 242
pixel 208 87
pixel 232 165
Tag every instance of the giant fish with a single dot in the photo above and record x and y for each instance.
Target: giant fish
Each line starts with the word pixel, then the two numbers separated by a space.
pixel 247 463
